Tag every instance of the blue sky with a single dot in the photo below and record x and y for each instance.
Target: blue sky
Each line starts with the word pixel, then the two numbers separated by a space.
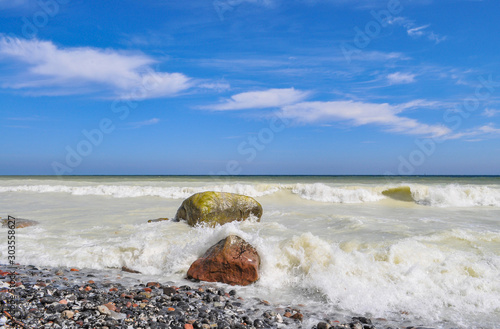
pixel 249 87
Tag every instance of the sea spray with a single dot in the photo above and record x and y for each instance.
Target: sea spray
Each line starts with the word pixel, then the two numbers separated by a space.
pixel 433 261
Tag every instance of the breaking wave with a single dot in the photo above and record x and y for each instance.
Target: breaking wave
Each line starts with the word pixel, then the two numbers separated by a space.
pixel 445 195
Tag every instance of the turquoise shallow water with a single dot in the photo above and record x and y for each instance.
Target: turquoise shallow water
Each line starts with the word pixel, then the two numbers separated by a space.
pixel 420 249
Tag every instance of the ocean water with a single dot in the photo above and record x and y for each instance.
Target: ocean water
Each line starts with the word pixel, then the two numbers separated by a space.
pixel 415 250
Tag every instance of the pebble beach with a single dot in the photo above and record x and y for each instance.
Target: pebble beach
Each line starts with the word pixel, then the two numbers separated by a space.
pixel 45 297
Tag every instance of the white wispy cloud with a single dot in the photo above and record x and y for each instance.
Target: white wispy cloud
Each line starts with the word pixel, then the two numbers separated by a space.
pixel 400 78
pixel 141 124
pixel 488 130
pixel 52 69
pixel 417 31
pixel 490 113
pixel 261 99
pixel 361 113
pixel 377 56
pixel 292 105
pixel 421 104
pixel 218 86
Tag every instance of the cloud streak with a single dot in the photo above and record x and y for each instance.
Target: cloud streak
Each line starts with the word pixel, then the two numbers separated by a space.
pixel 400 78
pixel 361 113
pixel 488 130
pixel 85 69
pixel 293 106
pixel 417 31
pixel 270 98
pixel 490 113
pixel 150 122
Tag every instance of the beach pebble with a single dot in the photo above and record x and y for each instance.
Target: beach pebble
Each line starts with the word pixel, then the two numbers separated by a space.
pixel 322 325
pixel 116 315
pixel 103 310
pixel 68 299
pixel 68 314
pixel 258 323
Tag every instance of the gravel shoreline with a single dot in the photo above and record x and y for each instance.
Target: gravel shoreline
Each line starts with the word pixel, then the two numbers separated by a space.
pixel 44 297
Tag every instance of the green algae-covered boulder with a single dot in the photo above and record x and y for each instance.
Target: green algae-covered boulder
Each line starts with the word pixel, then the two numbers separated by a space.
pixel 214 208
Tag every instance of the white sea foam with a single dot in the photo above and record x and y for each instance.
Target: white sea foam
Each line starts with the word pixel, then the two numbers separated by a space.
pixel 422 278
pixel 454 195
pixel 130 191
pixel 450 195
pixel 324 193
pixel 388 280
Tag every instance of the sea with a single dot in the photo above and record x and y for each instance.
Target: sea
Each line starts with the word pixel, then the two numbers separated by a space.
pixel 419 250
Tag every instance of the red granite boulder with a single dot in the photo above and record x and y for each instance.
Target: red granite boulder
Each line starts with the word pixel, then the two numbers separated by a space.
pixel 232 260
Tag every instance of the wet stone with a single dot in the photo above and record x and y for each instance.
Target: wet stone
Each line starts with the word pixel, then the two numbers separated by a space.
pixel 322 325
pixel 362 319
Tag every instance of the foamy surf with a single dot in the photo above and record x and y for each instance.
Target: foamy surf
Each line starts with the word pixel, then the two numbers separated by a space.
pixel 414 278
pixel 415 250
pixel 454 195
pixel 124 191
pixel 324 193
pixel 434 195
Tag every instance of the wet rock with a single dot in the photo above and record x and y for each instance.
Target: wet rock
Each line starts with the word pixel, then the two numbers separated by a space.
pixel 126 269
pixel 103 310
pixel 157 220
pixel 68 314
pixel 258 323
pixel 362 319
pixel 232 260
pixel 116 315
pixel 19 222
pixel 153 284
pixel 214 208
pixel 48 300
pixel 56 308
pixel 144 295
pixel 169 291
pixel 356 325
pixel 323 325
pixel 111 306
